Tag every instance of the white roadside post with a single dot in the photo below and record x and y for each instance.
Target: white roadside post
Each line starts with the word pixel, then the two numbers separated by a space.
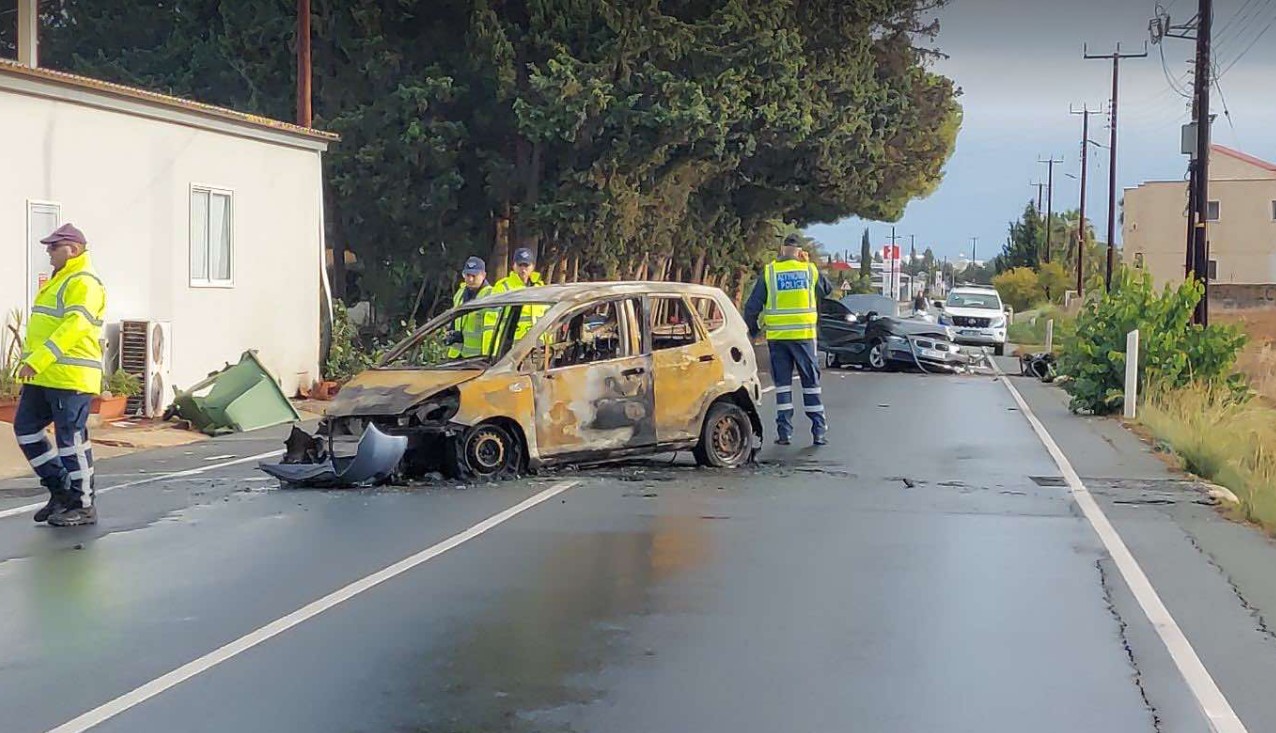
pixel 1049 335
pixel 1131 373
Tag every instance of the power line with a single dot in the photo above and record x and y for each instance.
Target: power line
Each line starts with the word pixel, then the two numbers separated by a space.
pixel 1250 47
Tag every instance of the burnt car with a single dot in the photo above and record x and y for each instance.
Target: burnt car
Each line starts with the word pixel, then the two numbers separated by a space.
pixel 865 330
pixel 607 371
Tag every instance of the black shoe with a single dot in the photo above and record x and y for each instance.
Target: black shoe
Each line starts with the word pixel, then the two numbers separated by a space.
pixel 782 441
pixel 57 502
pixel 58 491
pixel 76 516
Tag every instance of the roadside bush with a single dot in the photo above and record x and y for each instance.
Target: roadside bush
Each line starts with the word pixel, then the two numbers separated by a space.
pixel 1019 287
pixel 1053 281
pixel 1174 353
pixel 1029 328
pixel 347 356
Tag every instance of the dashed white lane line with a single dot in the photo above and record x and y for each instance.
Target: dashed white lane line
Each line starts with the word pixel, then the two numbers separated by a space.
pixel 1218 711
pixel 20 510
pixel 248 641
pixel 768 389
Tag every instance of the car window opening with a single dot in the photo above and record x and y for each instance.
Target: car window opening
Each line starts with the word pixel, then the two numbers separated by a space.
pixel 672 325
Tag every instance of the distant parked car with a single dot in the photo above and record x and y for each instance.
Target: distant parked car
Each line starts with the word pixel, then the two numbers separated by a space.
pixel 864 330
pixel 977 315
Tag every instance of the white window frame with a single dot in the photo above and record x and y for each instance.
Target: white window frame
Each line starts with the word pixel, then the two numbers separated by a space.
pixel 1219 216
pixel 1273 209
pixel 210 282
pixel 32 265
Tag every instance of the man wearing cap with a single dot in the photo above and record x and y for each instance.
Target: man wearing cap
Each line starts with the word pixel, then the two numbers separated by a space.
pixel 472 334
pixel 787 298
pixel 61 371
pixel 523 276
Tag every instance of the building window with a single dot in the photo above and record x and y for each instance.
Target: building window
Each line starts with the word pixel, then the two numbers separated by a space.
pixel 212 237
pixel 1212 270
pixel 1138 260
pixel 42 218
pixel 1273 210
pixel 1212 211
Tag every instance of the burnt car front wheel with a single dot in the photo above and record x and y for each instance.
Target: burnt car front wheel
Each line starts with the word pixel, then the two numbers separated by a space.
pixel 488 451
pixel 726 438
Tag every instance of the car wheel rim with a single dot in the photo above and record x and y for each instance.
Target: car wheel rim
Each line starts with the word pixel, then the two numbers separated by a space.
pixel 728 437
pixel 875 356
pixel 487 452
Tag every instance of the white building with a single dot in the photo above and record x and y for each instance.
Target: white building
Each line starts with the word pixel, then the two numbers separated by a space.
pixel 203 218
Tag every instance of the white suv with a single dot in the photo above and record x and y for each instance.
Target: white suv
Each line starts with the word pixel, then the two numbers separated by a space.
pixel 977 316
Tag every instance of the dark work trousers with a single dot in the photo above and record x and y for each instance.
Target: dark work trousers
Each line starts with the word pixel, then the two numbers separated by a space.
pixel 785 356
pixel 73 456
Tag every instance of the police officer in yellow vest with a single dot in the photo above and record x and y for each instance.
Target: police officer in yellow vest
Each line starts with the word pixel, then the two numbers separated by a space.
pixel 61 371
pixel 472 334
pixel 523 276
pixel 786 298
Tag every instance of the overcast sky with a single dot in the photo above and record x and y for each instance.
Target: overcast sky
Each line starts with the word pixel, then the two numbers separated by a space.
pixel 1019 65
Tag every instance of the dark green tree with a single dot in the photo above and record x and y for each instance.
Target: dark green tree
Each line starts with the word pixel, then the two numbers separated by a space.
pixel 866 257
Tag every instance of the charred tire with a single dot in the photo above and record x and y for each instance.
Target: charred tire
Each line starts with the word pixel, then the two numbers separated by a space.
pixel 487 452
pixel 878 355
pixel 999 349
pixel 726 438
pixel 832 361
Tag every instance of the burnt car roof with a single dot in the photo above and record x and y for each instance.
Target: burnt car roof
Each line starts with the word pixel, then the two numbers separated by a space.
pixel 582 292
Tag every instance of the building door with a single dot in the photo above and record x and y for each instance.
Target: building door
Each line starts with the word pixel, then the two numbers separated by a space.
pixel 42 218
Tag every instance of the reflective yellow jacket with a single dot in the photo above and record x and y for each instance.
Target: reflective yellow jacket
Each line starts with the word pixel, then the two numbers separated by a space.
pixel 63 340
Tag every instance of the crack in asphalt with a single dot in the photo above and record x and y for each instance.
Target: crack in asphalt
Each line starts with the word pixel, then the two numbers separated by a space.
pixel 1122 627
pixel 1260 621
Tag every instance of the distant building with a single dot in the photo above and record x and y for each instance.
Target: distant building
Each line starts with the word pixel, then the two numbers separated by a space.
pixel 1241 228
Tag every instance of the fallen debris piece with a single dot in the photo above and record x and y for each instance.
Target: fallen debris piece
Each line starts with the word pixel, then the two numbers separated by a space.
pixel 309 462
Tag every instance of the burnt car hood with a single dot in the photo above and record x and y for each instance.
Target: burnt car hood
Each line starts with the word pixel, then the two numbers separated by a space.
pixel 386 392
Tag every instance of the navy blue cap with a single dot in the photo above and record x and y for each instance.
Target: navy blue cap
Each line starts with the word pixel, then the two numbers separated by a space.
pixel 474 266
pixel 524 256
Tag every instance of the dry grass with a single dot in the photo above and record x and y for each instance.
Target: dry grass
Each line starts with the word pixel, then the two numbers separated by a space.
pixel 1258 360
pixel 1230 443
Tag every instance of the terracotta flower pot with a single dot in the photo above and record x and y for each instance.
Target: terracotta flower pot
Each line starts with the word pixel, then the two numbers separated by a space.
pixel 8 408
pixel 109 408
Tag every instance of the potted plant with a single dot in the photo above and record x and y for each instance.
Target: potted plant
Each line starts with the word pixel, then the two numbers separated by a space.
pixel 114 398
pixel 10 358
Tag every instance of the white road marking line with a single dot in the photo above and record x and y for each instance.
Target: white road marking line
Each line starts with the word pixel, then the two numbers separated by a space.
pixel 17 511
pixel 248 641
pixel 767 389
pixel 1222 718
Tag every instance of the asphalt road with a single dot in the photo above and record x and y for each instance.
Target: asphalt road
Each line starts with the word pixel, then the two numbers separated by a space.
pixel 928 571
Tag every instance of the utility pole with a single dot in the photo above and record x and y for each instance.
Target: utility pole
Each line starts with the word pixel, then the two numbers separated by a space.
pixel 1199 29
pixel 1200 249
pixel 1040 187
pixel 1085 145
pixel 1049 201
pixel 304 116
pixel 890 265
pixel 1116 57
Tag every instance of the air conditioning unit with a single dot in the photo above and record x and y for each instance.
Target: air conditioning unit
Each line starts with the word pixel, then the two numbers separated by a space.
pixel 146 352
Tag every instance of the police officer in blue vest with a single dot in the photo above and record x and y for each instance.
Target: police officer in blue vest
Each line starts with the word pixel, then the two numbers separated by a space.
pixel 785 302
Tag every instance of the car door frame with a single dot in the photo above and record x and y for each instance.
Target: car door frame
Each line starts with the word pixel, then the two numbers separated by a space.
pixel 599 408
pixel 698 370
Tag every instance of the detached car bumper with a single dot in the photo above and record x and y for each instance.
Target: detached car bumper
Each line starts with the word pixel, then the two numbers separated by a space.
pixel 929 351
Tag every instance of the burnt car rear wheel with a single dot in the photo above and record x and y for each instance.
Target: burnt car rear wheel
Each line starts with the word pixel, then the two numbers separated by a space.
pixel 878 355
pixel 832 361
pixel 726 438
pixel 488 451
